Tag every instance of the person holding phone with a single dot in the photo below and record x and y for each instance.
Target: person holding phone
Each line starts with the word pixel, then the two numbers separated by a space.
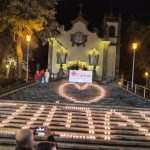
pixel 50 144
pixel 25 137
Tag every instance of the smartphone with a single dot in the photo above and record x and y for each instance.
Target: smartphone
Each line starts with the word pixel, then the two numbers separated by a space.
pixel 40 131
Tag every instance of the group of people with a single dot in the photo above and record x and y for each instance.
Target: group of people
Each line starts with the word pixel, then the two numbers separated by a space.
pixel 41 75
pixel 25 140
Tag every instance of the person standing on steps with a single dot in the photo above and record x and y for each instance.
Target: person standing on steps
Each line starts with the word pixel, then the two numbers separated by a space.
pixel 42 73
pixel 37 76
pixel 42 78
pixel 47 76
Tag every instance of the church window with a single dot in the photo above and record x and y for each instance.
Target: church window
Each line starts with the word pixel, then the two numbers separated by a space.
pixel 61 55
pixel 93 57
pixel 112 31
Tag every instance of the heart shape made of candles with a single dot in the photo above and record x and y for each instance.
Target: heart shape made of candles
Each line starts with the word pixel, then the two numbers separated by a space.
pixel 64 94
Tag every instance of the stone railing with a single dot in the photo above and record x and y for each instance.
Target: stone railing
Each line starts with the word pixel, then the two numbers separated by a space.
pixel 137 89
pixel 54 77
pixel 100 78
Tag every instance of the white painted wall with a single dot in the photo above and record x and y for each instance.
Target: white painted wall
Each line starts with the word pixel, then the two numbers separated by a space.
pixel 75 52
pixel 111 61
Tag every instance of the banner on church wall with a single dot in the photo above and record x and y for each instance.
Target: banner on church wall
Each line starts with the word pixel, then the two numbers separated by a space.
pixel 80 76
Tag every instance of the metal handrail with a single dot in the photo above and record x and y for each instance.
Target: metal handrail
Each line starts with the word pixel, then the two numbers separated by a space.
pixel 137 85
pixel 137 89
pixel 53 75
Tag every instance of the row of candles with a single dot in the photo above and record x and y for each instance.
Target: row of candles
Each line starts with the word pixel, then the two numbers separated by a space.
pixel 107 126
pixel 50 116
pixel 100 90
pixel 7 132
pixel 90 122
pixel 68 122
pixel 76 108
pixel 8 104
pixel 91 131
pixel 77 136
pixel 136 125
pixel 143 114
pixel 34 118
pixel 13 115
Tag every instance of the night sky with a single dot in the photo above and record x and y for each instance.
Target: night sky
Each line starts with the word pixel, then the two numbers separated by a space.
pixel 93 10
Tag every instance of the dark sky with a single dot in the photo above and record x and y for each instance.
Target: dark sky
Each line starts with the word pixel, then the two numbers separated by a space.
pixel 94 10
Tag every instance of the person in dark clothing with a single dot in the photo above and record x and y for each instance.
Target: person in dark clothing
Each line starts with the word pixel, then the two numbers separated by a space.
pixel 46 146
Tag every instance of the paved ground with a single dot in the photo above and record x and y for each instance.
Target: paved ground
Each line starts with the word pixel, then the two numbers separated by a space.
pixel 115 96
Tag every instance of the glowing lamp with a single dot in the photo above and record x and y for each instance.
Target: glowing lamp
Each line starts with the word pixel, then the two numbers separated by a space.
pixel 28 38
pixel 146 74
pixel 105 43
pixel 7 66
pixel 119 83
pixel 52 39
pixel 134 45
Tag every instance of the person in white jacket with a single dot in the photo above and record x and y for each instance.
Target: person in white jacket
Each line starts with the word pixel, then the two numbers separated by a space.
pixel 47 76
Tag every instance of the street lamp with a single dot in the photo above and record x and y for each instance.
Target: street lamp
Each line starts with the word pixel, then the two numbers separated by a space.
pixel 7 68
pixel 61 59
pixel 146 77
pixel 28 39
pixel 134 47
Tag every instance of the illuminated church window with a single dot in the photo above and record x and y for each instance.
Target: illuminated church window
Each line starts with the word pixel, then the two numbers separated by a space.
pixel 61 56
pixel 93 57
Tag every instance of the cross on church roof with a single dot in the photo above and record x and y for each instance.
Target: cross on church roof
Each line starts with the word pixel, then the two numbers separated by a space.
pixel 81 6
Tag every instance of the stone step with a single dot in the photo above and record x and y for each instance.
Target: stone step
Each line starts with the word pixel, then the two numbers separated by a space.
pixel 78 126
pixel 76 144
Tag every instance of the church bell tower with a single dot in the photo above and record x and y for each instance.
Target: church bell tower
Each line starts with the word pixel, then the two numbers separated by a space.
pixel 112 28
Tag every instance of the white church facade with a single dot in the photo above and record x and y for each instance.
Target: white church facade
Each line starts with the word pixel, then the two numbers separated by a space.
pixel 81 49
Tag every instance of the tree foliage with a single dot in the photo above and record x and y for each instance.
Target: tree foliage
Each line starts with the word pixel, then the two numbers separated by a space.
pixel 6 45
pixel 140 32
pixel 26 16
pixel 23 17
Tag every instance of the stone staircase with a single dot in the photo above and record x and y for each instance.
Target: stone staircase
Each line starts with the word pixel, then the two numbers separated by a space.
pixel 76 126
pixel 49 93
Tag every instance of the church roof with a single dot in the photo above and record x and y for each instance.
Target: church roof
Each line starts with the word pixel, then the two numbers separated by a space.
pixel 79 19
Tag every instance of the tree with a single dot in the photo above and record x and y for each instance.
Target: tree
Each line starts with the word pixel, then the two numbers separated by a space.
pixel 141 31
pixel 6 45
pixel 23 17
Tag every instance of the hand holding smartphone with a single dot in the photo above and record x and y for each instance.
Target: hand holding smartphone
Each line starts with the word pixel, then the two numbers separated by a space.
pixel 40 131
